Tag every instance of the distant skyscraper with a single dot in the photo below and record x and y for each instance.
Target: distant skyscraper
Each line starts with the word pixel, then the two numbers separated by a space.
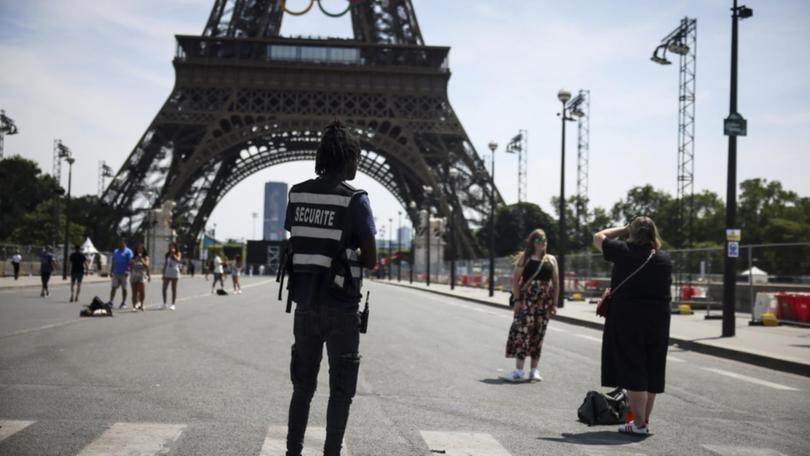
pixel 405 234
pixel 275 207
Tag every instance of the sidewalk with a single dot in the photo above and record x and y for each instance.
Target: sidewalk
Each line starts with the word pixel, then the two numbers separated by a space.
pixel 784 348
pixel 34 281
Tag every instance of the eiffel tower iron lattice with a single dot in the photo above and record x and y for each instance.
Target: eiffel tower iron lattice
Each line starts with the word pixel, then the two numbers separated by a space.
pixel 246 98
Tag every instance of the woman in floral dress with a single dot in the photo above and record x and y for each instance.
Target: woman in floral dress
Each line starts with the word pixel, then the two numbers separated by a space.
pixel 535 285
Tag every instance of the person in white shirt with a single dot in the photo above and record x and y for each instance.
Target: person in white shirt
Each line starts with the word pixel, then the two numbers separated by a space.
pixel 16 259
pixel 219 270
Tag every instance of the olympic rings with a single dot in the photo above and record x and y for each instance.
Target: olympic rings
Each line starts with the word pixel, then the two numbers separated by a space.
pixel 298 13
pixel 324 11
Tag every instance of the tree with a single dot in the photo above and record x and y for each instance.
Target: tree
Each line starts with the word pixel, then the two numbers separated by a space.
pixel 509 237
pixel 98 217
pixel 710 218
pixel 45 225
pixel 767 213
pixel 22 188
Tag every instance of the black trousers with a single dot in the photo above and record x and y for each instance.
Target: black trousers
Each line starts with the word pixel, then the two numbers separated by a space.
pixel 45 276
pixel 16 270
pixel 339 329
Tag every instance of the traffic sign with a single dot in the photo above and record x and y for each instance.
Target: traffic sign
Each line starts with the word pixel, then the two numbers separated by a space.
pixel 735 125
pixel 733 249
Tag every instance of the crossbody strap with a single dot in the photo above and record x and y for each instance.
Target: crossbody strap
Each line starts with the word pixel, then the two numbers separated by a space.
pixel 652 253
pixel 536 273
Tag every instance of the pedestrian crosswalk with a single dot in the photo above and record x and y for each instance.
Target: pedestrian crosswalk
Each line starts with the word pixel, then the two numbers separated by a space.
pixel 157 439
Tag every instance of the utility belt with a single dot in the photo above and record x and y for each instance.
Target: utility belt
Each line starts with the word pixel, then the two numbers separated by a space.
pixel 333 283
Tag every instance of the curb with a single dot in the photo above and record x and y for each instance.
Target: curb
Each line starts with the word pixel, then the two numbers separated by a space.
pixel 781 365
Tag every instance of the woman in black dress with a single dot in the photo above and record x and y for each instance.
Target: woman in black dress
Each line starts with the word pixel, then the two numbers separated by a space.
pixel 535 286
pixel 636 333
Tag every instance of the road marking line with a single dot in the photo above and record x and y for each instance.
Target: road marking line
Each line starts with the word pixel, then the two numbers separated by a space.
pixel 39 328
pixel 674 359
pixel 609 450
pixel 727 450
pixel 746 378
pixel 275 443
pixel 136 439
pixel 11 427
pixel 591 338
pixel 554 328
pixel 463 443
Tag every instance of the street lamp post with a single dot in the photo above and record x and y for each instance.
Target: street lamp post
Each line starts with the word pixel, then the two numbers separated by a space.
pixel 735 125
pixel 399 246
pixel 70 161
pixel 492 146
pixel 390 248
pixel 563 95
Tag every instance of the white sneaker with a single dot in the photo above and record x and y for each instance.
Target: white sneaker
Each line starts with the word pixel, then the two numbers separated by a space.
pixel 514 376
pixel 171 307
pixel 534 376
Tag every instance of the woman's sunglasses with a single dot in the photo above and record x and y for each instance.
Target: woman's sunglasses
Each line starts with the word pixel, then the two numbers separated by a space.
pixel 539 240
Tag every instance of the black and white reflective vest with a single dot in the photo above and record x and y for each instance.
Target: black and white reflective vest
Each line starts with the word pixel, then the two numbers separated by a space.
pixel 319 234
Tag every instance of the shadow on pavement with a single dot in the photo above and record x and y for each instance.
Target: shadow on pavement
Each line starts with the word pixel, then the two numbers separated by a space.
pixel 596 438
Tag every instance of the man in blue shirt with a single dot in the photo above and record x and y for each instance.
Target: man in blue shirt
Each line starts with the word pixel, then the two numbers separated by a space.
pixel 329 221
pixel 119 270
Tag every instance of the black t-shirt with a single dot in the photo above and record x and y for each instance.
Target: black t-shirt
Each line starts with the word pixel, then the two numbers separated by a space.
pixel 546 270
pixel 77 260
pixel 652 283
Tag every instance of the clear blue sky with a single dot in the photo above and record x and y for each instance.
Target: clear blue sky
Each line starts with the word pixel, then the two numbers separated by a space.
pixel 95 74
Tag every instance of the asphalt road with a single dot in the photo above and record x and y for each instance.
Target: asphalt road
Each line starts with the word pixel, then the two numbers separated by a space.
pixel 211 378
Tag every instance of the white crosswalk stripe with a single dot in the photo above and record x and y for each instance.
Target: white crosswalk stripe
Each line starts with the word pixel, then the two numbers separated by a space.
pixel 611 450
pixel 134 439
pixel 11 427
pixel 731 450
pixel 463 444
pixel 275 443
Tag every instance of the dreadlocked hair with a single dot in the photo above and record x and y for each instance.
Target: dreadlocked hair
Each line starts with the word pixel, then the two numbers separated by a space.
pixel 337 150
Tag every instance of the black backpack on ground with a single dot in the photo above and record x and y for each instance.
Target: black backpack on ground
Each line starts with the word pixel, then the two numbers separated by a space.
pixel 222 292
pixel 600 408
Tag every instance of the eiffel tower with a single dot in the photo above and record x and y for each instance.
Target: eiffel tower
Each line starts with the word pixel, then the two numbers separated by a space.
pixel 246 98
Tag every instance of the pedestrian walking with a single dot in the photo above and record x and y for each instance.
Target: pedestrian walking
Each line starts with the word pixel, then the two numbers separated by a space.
pixel 328 221
pixel 171 273
pixel 16 259
pixel 47 263
pixel 119 270
pixel 536 288
pixel 218 268
pixel 139 276
pixel 636 332
pixel 191 267
pixel 236 271
pixel 78 267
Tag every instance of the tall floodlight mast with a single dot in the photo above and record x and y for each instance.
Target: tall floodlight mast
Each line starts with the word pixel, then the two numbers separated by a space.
pixel 683 42
pixel 583 158
pixel 104 172
pixel 7 127
pixel 520 145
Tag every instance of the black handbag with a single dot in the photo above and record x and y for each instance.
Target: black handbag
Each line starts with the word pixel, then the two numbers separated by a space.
pixel 603 408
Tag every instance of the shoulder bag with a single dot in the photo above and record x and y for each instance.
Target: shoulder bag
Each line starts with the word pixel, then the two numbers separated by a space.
pixel 607 295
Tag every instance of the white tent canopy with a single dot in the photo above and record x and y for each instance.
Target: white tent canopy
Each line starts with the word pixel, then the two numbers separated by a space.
pixel 756 275
pixel 88 247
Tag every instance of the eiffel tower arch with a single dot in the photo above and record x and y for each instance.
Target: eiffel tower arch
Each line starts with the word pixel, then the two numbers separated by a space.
pixel 246 98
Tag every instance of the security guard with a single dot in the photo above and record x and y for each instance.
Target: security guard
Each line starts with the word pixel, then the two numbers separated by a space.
pixel 328 221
